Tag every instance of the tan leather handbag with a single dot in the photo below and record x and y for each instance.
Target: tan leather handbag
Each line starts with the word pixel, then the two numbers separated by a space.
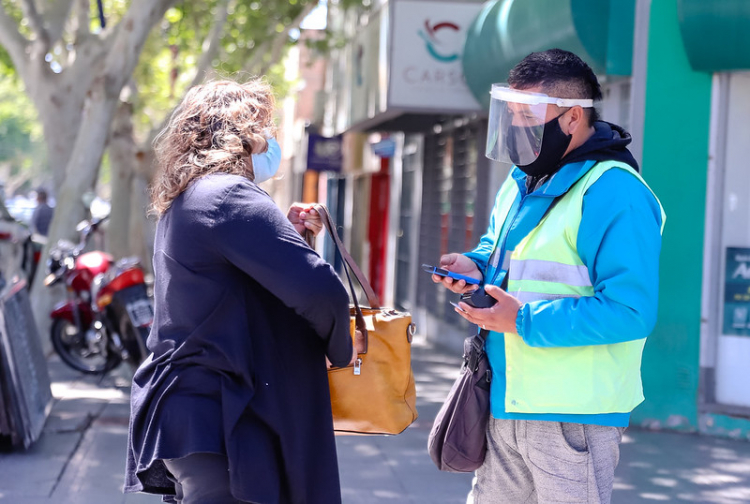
pixel 377 394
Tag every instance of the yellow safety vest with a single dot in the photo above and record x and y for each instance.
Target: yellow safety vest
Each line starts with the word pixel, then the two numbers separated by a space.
pixel 545 265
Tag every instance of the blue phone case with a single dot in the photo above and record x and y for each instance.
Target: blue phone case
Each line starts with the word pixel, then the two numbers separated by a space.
pixel 434 270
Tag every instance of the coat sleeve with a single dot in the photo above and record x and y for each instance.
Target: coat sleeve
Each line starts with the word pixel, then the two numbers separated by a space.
pixel 619 241
pixel 254 235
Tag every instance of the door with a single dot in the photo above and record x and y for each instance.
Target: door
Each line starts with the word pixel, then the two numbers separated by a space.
pixel 733 342
pixel 725 310
pixel 407 266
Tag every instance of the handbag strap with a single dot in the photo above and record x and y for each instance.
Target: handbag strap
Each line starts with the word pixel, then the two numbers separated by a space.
pixel 350 264
pixel 372 298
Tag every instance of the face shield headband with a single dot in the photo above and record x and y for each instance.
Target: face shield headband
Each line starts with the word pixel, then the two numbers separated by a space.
pixel 516 124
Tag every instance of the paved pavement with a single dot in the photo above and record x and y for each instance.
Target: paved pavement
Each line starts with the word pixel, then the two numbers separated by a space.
pixel 80 457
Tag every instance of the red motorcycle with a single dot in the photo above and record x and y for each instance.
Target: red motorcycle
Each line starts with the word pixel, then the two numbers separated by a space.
pixel 107 315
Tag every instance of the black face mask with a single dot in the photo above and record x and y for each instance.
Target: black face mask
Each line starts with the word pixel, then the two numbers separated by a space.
pixel 554 145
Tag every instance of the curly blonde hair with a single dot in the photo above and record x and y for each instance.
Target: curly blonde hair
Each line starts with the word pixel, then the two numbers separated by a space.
pixel 216 128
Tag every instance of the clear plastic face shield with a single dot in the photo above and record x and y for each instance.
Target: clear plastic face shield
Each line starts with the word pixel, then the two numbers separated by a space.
pixel 515 128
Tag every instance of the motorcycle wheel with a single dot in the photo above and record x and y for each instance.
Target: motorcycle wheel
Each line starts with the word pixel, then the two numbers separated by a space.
pixel 70 344
pixel 134 340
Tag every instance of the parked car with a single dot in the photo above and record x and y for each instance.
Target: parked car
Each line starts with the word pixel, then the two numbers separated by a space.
pixel 21 209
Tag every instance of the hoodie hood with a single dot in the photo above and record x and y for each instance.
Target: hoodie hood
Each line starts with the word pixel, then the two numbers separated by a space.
pixel 608 143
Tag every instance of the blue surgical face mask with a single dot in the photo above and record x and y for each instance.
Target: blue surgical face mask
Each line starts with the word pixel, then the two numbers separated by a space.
pixel 266 165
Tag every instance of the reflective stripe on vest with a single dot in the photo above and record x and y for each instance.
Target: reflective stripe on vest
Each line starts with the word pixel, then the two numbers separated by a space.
pixel 549 271
pixel 545 265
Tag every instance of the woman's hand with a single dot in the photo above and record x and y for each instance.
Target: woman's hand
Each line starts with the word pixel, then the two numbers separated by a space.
pixel 303 216
pixel 357 348
pixel 458 263
pixel 354 354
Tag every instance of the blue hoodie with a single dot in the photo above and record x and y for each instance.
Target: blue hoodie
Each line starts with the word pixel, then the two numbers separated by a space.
pixel 619 241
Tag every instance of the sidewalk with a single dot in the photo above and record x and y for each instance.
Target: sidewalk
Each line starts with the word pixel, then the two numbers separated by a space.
pixel 80 457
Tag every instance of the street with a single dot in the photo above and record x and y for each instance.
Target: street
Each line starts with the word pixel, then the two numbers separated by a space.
pixel 80 457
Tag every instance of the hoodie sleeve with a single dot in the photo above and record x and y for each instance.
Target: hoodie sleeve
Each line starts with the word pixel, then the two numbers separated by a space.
pixel 619 241
pixel 483 251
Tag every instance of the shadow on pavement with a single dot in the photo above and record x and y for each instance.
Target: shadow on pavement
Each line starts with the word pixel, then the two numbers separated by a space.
pixel 657 466
pixel 80 458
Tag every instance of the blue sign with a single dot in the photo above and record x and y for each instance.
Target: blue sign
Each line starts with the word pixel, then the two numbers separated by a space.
pixel 386 148
pixel 737 292
pixel 323 153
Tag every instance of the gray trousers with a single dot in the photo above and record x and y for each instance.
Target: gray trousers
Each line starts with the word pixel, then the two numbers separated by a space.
pixel 539 462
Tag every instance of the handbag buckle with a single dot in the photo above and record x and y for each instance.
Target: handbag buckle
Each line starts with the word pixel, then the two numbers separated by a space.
pixel 358 366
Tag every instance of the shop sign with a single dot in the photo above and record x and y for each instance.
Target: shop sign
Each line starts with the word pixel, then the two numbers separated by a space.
pixel 367 71
pixel 323 153
pixel 737 292
pixel 386 148
pixel 426 47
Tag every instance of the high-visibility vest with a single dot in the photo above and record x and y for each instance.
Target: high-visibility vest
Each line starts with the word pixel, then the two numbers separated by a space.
pixel 545 265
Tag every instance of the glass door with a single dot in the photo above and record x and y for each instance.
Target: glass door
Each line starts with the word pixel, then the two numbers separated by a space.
pixel 733 321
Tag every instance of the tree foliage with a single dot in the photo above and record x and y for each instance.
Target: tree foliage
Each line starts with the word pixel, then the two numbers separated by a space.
pixel 253 38
pixel 21 141
pixel 75 71
pixel 173 52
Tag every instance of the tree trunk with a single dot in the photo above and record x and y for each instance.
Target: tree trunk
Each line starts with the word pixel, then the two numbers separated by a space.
pixel 122 160
pixel 59 113
pixel 145 172
pixel 142 228
pixel 59 99
pixel 102 99
pixel 70 209
pixel 130 231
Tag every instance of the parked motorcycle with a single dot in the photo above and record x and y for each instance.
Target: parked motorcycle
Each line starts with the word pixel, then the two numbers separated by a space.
pixel 107 315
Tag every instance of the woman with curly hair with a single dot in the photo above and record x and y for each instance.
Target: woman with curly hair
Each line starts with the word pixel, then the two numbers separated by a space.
pixel 233 404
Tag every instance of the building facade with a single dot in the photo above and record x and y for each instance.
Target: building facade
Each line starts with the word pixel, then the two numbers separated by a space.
pixel 409 94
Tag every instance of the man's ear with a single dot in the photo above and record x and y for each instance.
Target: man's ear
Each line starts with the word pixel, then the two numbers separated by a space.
pixel 576 119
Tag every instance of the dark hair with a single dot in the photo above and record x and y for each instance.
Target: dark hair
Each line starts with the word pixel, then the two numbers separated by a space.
pixel 561 74
pixel 41 194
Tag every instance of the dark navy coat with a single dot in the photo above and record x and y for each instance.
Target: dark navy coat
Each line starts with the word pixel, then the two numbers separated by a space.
pixel 245 314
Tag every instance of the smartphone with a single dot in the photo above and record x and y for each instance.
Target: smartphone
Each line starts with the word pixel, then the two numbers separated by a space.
pixel 434 270
pixel 478 298
pixel 456 305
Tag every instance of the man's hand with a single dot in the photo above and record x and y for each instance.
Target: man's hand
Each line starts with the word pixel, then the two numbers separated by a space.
pixel 499 318
pixel 458 263
pixel 303 216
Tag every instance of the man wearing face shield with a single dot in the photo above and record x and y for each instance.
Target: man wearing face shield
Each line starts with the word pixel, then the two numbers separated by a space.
pixel 574 238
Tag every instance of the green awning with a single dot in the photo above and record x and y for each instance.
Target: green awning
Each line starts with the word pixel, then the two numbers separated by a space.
pixel 505 31
pixel 716 33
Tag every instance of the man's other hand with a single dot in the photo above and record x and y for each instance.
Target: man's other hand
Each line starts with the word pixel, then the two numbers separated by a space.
pixel 501 317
